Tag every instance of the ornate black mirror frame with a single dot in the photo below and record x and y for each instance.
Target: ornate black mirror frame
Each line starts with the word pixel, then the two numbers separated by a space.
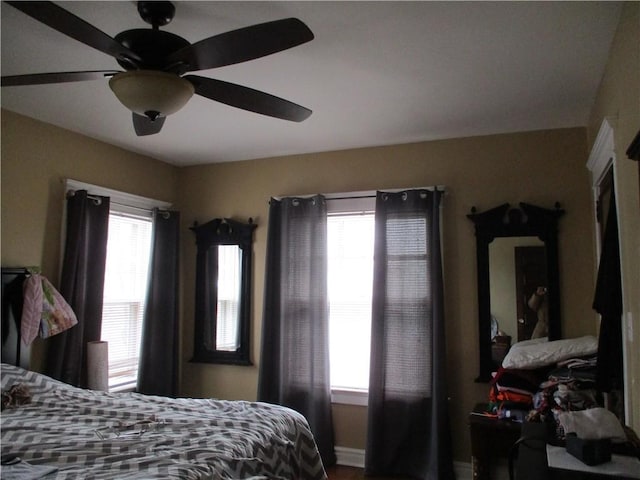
pixel 221 231
pixel 501 221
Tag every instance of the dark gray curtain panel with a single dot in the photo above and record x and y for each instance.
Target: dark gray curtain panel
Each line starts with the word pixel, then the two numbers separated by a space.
pixel 158 366
pixel 82 285
pixel 294 365
pixel 408 420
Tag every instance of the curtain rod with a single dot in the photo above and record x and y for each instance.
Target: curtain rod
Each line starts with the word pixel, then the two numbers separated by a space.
pixel 117 197
pixel 362 194
pixel 164 212
pixel 143 209
pixel 98 200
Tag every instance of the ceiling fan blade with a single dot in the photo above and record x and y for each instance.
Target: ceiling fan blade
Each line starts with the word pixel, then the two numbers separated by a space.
pixel 248 99
pixel 56 77
pixel 241 45
pixel 144 126
pixel 67 23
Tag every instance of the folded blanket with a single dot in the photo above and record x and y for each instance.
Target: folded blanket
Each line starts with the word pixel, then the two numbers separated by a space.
pixel 593 423
pixel 44 310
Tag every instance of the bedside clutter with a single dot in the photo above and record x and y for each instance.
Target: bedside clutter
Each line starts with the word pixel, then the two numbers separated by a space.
pixel 549 390
pixel 563 466
pixel 535 457
pixel 592 436
pixel 539 379
pixel 536 453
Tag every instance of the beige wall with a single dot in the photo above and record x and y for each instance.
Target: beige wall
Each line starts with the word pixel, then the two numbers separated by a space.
pixel 618 101
pixel 538 167
pixel 36 158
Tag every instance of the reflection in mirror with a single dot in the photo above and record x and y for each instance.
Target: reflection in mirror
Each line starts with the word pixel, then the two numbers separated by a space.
pixel 223 291
pixel 517 269
pixel 517 287
pixel 517 279
pixel 228 305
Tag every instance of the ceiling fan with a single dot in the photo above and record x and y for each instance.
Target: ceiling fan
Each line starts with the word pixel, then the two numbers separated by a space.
pixel 153 83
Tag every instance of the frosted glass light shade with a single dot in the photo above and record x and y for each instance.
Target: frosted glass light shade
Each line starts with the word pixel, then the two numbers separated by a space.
pixel 150 92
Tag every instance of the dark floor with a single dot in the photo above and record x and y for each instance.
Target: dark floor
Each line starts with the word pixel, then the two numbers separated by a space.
pixel 341 472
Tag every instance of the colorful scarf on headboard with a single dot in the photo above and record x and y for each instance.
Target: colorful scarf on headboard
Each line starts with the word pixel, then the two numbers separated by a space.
pixel 44 310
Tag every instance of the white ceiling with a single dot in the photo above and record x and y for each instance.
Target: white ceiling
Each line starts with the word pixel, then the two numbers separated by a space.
pixel 377 73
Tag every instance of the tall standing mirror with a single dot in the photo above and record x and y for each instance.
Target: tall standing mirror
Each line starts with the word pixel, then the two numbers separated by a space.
pixel 223 291
pixel 517 279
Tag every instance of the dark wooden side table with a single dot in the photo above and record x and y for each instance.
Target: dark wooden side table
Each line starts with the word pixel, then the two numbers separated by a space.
pixel 491 439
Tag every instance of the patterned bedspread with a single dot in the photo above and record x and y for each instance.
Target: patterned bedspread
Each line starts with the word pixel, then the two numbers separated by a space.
pixel 87 434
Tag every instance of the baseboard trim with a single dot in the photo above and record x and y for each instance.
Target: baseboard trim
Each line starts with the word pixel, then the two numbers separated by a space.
pixel 463 470
pixel 354 457
pixel 350 457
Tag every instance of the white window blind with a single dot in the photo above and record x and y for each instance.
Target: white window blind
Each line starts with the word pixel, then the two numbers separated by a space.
pixel 126 277
pixel 350 239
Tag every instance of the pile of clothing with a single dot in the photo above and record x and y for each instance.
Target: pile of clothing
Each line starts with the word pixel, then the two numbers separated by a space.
pixel 539 380
pixel 512 392
pixel 569 387
pixel 555 383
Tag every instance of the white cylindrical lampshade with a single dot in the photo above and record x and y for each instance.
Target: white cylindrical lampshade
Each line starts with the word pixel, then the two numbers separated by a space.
pixel 98 366
pixel 143 91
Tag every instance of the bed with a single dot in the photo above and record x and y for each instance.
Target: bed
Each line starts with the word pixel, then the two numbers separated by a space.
pixel 75 433
pixel 90 434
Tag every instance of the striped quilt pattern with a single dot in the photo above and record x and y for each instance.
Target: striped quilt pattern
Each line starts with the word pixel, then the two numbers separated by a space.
pixel 97 435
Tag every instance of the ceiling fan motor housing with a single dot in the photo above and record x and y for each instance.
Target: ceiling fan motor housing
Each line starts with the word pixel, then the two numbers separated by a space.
pixel 153 46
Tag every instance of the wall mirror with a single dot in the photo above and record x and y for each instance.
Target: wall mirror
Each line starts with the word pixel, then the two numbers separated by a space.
pixel 223 291
pixel 517 279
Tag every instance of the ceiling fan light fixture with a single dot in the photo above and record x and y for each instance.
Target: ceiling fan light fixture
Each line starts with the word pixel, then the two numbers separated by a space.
pixel 143 91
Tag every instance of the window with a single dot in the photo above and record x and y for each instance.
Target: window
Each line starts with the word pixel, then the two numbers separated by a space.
pixel 125 284
pixel 126 279
pixel 350 239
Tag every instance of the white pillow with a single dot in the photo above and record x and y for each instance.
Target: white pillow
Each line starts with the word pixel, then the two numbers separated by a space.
pixel 541 354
